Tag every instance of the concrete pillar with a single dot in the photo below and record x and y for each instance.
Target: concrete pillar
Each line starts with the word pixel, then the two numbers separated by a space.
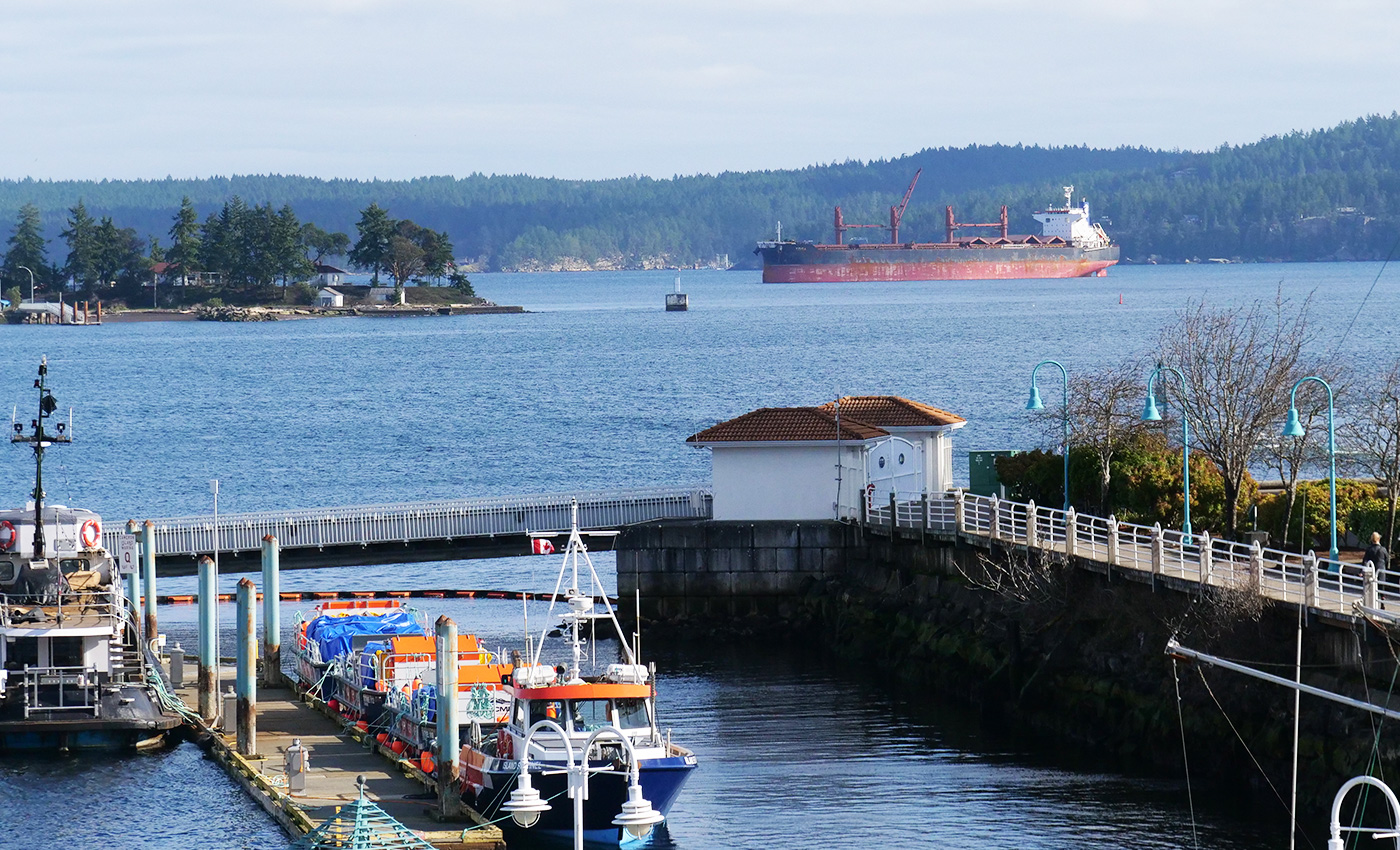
pixel 994 526
pixel 447 735
pixel 246 685
pixel 148 576
pixel 1158 549
pixel 894 515
pixel 1032 531
pixel 1370 593
pixel 208 641
pixel 272 619
pixel 959 513
pixel 1207 565
pixel 1256 565
pixel 923 517
pixel 1071 533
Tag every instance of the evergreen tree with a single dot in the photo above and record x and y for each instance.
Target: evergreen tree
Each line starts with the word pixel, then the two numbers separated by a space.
pixel 184 250
pixel 26 251
pixel 371 251
pixel 319 244
pixel 81 237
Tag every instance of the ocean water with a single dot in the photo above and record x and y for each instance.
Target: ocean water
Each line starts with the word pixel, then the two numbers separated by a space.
pixel 598 387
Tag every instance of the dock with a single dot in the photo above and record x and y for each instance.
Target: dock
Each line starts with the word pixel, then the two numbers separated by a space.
pixel 339 753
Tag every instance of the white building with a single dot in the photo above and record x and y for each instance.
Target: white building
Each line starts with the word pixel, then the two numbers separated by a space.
pixel 328 297
pixel 797 463
pixel 330 275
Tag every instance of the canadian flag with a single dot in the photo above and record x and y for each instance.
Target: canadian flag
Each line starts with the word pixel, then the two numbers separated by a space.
pixel 542 546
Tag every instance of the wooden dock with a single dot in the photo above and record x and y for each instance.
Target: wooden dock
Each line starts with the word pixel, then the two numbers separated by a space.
pixel 338 756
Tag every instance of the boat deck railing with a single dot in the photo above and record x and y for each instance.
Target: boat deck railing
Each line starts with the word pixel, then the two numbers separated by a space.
pixel 1335 587
pixel 61 689
pixel 73 609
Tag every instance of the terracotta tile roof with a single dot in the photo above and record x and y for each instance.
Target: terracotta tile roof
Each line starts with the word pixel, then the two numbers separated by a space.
pixel 783 424
pixel 891 411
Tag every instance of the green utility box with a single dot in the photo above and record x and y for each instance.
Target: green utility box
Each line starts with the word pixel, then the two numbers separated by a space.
pixel 982 473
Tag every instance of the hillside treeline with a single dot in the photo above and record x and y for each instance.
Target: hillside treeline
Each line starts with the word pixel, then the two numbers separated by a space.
pixel 1328 194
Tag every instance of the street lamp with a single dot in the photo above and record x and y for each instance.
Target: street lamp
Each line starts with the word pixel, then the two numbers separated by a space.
pixel 1294 428
pixel 31 281
pixel 1035 404
pixel 1151 414
pixel 525 805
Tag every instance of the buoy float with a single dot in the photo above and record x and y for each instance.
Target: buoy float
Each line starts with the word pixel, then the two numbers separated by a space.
pixel 362 725
pixel 333 705
pixel 426 762
pixel 397 747
pixel 381 737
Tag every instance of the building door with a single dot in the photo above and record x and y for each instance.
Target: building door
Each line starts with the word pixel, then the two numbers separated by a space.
pixel 894 465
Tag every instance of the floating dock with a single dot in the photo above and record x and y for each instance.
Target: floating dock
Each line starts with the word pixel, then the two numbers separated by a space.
pixel 339 753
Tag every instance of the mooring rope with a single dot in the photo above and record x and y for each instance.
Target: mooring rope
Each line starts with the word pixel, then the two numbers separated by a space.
pixel 1181 722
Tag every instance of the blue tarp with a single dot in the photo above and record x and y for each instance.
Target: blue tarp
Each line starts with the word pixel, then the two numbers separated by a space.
pixel 334 634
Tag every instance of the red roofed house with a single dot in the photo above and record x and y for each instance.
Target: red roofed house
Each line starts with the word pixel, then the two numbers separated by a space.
pixel 794 463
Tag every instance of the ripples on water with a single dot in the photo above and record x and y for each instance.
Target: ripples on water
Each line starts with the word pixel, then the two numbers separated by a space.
pixel 599 388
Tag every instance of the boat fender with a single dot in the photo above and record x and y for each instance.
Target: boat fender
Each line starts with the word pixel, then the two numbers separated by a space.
pixel 8 535
pixel 90 534
pixel 505 747
pixel 426 762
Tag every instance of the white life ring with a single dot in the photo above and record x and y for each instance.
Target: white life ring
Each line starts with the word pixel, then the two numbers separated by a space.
pixel 91 534
pixel 8 535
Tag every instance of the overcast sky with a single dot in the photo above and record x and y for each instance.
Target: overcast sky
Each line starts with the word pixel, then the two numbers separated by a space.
pixel 376 88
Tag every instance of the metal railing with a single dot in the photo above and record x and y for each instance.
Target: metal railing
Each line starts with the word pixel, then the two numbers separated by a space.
pixel 441 520
pixel 1285 576
pixel 59 608
pixel 49 689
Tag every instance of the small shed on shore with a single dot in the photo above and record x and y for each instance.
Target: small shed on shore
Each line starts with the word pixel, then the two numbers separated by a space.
pixel 328 297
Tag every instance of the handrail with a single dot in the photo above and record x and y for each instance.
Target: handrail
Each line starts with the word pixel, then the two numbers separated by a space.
pixel 433 520
pixel 1285 576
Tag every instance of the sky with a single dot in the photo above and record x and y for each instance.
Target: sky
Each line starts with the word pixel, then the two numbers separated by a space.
pixel 392 89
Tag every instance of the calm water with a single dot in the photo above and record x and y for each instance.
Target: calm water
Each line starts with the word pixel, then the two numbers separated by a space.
pixel 598 387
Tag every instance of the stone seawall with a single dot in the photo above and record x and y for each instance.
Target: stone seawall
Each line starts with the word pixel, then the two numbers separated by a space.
pixel 1066 653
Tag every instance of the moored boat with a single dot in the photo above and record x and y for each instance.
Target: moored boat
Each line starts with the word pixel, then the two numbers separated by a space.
pixel 608 718
pixel 74 670
pixel 330 645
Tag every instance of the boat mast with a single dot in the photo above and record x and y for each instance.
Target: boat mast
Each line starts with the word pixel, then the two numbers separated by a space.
pixel 40 440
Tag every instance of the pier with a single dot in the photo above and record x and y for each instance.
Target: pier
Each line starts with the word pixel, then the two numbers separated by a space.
pixel 338 754
pixel 487 527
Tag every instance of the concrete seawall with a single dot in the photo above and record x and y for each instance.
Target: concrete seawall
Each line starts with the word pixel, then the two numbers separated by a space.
pixel 1067 653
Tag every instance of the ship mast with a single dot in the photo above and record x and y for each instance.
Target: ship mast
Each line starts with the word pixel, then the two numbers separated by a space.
pixel 41 440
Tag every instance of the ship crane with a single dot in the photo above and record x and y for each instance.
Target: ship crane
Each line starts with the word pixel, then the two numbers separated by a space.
pixel 896 215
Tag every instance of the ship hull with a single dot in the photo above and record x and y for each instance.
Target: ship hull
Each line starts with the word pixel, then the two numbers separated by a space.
pixel 806 263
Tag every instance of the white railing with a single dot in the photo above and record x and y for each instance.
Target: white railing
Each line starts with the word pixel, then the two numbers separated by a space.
pixel 443 520
pixel 1285 576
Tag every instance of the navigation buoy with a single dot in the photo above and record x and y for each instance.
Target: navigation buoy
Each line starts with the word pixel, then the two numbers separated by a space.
pixel 1120 298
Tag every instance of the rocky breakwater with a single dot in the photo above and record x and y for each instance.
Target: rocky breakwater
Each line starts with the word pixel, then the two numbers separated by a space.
pixel 206 313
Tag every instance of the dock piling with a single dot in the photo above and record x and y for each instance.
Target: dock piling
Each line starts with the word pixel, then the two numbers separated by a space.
pixel 133 582
pixel 272 623
pixel 447 735
pixel 208 641
pixel 246 657
pixel 148 576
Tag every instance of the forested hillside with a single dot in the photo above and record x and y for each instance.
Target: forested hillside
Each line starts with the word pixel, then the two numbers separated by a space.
pixel 1332 194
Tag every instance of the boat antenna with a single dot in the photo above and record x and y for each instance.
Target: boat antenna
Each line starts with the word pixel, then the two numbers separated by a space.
pixel 525 608
pixel 41 439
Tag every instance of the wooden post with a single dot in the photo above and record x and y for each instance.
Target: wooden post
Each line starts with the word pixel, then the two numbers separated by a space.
pixel 99 312
pixel 246 684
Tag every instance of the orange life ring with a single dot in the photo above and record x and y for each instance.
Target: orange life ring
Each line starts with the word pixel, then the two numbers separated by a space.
pixel 505 746
pixel 8 535
pixel 91 533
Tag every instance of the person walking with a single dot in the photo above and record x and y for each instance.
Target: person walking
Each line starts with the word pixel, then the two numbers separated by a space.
pixel 1379 558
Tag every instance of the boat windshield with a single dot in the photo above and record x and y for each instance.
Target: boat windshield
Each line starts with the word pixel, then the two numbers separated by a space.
pixel 589 715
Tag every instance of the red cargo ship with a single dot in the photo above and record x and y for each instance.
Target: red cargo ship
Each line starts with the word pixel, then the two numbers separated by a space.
pixel 1069 245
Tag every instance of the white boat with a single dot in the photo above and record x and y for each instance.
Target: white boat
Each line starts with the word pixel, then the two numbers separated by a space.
pixel 74 671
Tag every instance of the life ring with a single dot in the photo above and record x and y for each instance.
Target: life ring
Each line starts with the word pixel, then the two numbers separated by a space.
pixel 8 535
pixel 91 534
pixel 505 746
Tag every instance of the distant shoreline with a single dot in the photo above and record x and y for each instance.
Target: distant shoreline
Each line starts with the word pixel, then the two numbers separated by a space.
pixel 290 314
